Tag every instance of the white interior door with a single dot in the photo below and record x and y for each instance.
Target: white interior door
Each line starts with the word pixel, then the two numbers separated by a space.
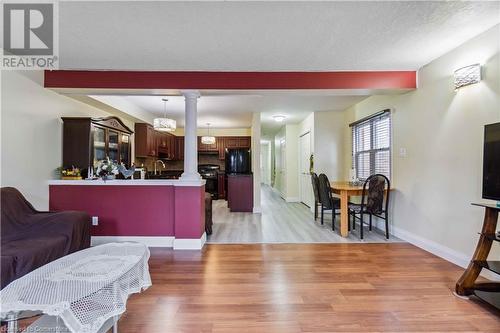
pixel 306 192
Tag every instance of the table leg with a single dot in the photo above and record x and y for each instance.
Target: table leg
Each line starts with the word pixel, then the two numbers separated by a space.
pixel 344 214
pixel 465 285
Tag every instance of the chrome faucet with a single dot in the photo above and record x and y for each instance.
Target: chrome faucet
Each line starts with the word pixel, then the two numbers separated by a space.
pixel 162 163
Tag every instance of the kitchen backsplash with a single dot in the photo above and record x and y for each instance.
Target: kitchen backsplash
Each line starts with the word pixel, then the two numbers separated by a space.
pixel 178 165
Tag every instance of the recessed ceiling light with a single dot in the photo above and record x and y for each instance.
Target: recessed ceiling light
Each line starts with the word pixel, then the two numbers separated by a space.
pixel 279 118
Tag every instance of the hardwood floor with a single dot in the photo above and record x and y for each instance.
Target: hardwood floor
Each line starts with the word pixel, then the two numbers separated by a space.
pixel 391 287
pixel 280 222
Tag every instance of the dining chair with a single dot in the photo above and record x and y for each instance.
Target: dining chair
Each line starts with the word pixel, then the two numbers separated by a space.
pixel 374 202
pixel 315 186
pixel 328 201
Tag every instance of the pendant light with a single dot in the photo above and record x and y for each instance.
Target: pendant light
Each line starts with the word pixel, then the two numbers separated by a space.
pixel 208 139
pixel 164 124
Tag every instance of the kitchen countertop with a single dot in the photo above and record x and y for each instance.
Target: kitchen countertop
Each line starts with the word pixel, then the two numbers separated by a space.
pixel 128 182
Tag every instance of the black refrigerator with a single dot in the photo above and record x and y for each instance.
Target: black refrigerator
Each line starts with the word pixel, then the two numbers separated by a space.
pixel 238 161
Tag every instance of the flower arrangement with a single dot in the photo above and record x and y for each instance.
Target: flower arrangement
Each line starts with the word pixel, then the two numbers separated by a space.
pixel 69 173
pixel 106 169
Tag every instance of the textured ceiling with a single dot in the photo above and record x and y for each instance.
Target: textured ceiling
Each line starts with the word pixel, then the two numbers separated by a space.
pixel 265 36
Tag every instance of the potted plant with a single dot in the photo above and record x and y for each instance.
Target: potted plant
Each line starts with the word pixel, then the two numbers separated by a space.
pixel 69 173
pixel 106 169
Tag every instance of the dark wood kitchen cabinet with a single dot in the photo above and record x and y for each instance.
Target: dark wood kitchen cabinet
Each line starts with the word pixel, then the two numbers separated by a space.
pixel 237 141
pixel 151 143
pixel 232 142
pixel 171 146
pixel 88 140
pixel 221 185
pixel 179 148
pixel 214 147
pixel 165 143
pixel 240 193
pixel 145 140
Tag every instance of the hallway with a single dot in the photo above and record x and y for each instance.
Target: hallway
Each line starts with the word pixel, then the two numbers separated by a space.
pixel 280 222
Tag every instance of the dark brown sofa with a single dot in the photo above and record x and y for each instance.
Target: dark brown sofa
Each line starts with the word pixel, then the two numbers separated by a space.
pixel 30 239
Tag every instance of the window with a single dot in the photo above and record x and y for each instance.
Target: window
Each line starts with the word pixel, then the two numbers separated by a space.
pixel 371 148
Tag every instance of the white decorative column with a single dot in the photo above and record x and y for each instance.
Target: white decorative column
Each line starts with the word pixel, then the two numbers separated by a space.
pixel 191 136
pixel 256 162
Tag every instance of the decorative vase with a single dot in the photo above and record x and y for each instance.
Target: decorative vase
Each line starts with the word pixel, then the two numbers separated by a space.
pixel 108 177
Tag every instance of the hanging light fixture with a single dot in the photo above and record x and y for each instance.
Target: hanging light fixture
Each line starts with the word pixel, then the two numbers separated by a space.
pixel 208 139
pixel 164 124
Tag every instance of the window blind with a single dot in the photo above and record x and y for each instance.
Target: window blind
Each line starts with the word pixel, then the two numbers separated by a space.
pixel 371 148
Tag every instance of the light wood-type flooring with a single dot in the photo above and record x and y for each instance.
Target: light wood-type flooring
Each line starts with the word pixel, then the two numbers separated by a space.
pixel 297 288
pixel 391 287
pixel 280 222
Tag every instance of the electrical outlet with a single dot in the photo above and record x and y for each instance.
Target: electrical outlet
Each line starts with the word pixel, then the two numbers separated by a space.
pixel 95 220
pixel 402 152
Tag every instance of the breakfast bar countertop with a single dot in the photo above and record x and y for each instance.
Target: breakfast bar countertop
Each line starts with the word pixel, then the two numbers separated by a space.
pixel 129 182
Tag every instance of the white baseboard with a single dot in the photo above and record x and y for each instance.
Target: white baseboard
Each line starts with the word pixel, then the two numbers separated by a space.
pixel 150 241
pixel 190 243
pixel 292 199
pixel 440 250
pixel 257 210
pixel 169 241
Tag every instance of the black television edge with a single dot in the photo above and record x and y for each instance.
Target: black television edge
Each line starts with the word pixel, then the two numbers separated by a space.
pixel 491 162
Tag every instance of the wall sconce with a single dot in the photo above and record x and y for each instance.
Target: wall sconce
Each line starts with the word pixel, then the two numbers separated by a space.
pixel 467 75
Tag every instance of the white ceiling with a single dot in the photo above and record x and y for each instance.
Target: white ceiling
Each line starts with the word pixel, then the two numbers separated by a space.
pixel 233 110
pixel 265 36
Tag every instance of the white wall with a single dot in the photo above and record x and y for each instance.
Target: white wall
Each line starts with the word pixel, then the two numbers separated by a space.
pixel 265 160
pixel 279 180
pixel 329 144
pixel 32 132
pixel 442 131
pixel 292 162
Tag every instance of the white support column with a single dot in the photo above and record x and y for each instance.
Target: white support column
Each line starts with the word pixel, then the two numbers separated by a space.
pixel 256 161
pixel 190 136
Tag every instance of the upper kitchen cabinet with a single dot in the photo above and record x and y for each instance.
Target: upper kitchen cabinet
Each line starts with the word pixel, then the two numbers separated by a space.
pixel 230 142
pixel 214 147
pixel 179 148
pixel 151 143
pixel 145 140
pixel 88 140
pixel 237 142
pixel 165 143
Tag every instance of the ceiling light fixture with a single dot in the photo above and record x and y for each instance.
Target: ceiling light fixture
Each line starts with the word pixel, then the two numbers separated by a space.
pixel 164 124
pixel 208 139
pixel 467 75
pixel 279 118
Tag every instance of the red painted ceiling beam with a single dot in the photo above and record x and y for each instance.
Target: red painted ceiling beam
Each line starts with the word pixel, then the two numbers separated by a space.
pixel 230 80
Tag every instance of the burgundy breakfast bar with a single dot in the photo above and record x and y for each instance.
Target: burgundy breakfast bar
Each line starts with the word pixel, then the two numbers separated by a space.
pixel 163 213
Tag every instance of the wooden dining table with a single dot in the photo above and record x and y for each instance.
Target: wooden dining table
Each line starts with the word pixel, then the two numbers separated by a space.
pixel 345 190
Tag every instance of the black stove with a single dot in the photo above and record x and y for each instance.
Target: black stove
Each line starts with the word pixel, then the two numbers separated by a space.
pixel 209 172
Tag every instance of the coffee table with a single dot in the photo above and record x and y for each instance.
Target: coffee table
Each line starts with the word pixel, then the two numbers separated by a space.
pixel 85 292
